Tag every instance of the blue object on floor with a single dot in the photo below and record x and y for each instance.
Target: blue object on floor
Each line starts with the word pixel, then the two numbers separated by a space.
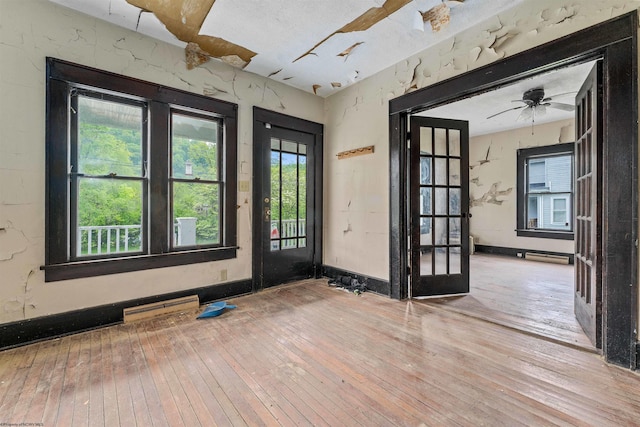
pixel 215 309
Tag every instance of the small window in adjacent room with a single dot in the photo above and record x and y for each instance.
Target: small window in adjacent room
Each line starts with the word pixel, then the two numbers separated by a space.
pixel 545 191
pixel 139 175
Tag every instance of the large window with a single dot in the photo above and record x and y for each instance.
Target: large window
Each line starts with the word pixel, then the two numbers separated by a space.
pixel 139 175
pixel 545 191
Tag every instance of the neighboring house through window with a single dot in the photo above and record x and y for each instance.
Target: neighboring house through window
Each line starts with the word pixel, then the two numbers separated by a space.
pixel 545 191
pixel 139 175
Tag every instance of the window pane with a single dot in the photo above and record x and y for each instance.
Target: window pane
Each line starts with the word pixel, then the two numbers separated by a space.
pixel 549 192
pixel 109 216
pixel 194 147
pixel 537 175
pixel 425 201
pixel 196 214
pixel 109 138
pixel 440 142
pixel 302 197
pixel 532 211
pixel 426 140
pixel 425 170
pixel 289 187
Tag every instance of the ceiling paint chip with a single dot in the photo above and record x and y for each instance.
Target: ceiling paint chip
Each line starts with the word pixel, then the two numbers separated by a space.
pixel 234 61
pixel 336 84
pixel 348 50
pixel 274 73
pixel 437 16
pixel 183 18
pixel 364 21
pixel 315 88
pixel 195 56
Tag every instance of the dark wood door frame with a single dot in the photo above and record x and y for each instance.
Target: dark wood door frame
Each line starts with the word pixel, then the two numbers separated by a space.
pixel 615 42
pixel 261 117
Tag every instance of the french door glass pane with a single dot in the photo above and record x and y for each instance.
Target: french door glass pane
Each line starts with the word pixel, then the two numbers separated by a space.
pixel 288 195
pixel 440 142
pixel 426 137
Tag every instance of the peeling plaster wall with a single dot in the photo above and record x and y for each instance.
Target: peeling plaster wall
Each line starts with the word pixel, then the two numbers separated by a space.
pixel 30 31
pixel 492 188
pixel 358 116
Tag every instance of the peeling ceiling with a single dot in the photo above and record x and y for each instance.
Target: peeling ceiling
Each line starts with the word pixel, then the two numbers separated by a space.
pixel 561 85
pixel 320 46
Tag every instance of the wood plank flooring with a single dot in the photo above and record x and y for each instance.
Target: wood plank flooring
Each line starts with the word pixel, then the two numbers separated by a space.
pixel 309 354
pixel 535 297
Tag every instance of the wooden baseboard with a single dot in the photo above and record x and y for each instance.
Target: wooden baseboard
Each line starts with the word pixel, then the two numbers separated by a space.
pixel 40 328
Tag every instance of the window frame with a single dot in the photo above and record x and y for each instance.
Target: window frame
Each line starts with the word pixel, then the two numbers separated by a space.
pixel 64 77
pixel 523 156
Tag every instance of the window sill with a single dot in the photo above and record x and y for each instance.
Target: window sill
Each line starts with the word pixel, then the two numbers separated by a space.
pixel 545 234
pixel 76 270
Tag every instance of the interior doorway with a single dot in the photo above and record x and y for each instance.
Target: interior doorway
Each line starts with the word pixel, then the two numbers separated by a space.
pixel 613 42
pixel 521 186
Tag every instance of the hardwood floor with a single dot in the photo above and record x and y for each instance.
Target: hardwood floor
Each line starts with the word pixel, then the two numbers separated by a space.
pixel 309 354
pixel 535 297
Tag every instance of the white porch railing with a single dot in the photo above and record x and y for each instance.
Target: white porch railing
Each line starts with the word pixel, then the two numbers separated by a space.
pixel 289 231
pixel 108 239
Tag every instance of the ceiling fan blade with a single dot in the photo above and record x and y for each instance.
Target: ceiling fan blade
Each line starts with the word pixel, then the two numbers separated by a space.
pixel 558 95
pixel 526 114
pixel 561 106
pixel 510 109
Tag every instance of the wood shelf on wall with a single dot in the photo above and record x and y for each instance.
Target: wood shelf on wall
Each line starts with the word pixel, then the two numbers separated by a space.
pixel 355 152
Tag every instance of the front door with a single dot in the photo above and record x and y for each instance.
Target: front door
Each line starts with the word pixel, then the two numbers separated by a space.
pixel 286 201
pixel 439 206
pixel 588 222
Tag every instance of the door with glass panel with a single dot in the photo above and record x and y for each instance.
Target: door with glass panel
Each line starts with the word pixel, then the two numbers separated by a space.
pixel 439 206
pixel 287 205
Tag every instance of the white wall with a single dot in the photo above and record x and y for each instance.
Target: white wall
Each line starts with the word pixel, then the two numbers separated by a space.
pixel 494 217
pixel 357 189
pixel 31 30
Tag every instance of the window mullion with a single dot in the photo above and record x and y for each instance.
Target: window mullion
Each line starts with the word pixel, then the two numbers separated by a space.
pixel 158 175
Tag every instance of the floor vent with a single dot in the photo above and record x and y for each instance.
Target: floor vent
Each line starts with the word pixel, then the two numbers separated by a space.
pixel 161 307
pixel 556 259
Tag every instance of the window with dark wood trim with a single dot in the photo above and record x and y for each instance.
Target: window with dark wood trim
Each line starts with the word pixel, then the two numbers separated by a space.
pixel 139 175
pixel 545 192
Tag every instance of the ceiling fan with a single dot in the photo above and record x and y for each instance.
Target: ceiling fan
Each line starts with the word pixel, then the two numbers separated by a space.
pixel 535 103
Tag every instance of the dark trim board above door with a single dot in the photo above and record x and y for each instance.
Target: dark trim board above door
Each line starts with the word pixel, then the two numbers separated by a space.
pixel 616 43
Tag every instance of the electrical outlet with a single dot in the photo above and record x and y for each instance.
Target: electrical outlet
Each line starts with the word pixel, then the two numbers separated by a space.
pixel 243 186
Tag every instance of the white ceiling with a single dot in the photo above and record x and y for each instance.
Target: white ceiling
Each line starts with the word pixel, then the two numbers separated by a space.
pixel 274 35
pixel 565 81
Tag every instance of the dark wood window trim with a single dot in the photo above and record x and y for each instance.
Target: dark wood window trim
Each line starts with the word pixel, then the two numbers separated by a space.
pixel 62 78
pixel 523 155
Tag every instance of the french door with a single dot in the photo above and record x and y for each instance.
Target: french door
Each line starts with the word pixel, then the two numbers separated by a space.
pixel 439 206
pixel 588 221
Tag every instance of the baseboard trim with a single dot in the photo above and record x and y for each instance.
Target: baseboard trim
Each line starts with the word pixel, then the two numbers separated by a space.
pixel 28 331
pixel 515 252
pixel 378 286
